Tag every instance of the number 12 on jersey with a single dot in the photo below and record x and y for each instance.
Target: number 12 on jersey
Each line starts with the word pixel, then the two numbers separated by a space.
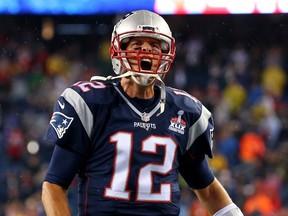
pixel 123 142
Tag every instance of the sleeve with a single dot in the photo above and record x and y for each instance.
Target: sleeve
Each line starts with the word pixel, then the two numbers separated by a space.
pixel 200 141
pixel 62 172
pixel 66 124
pixel 195 171
pixel 194 166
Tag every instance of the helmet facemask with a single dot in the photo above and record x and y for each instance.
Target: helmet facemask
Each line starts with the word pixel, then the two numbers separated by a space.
pixel 149 64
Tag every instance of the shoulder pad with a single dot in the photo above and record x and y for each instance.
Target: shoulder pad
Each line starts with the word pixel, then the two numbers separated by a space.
pixel 182 99
pixel 92 91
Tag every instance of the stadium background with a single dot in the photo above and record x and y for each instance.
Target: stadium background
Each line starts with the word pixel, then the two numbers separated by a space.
pixel 235 64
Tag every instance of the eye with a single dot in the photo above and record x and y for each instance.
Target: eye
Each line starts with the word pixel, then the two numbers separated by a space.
pixel 135 45
pixel 156 47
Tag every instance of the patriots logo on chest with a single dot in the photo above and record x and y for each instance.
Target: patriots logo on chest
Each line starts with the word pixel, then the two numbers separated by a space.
pixel 60 123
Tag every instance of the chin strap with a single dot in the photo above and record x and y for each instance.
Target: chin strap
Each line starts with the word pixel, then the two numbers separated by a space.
pixel 129 73
pixel 162 96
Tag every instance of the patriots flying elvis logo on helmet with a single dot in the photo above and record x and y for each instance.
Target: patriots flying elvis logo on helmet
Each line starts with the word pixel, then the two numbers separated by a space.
pixel 60 123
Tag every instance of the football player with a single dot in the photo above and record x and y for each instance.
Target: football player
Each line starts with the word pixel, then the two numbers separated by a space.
pixel 128 137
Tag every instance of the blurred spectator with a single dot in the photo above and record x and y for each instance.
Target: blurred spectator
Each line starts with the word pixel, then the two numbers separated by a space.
pixel 259 203
pixel 15 143
pixel 264 113
pixel 235 95
pixel 274 80
pixel 228 145
pixel 251 147
pixel 197 209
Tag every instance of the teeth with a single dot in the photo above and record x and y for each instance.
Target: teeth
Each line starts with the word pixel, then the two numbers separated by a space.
pixel 146 60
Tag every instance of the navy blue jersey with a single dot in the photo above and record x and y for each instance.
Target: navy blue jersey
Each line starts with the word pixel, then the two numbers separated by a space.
pixel 128 157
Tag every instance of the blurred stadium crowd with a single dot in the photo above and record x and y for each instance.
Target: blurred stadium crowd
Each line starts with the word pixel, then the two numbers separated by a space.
pixel 237 67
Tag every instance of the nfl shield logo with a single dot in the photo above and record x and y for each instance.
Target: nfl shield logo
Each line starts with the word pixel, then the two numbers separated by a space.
pixel 145 117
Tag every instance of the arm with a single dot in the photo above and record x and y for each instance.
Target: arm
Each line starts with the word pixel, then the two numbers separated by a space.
pixel 58 177
pixel 217 201
pixel 55 200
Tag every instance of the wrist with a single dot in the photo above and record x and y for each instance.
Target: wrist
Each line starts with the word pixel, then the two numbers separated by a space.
pixel 229 210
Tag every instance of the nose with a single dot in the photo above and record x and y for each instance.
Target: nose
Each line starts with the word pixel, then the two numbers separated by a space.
pixel 146 47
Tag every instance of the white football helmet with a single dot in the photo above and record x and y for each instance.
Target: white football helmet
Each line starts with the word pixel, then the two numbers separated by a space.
pixel 142 23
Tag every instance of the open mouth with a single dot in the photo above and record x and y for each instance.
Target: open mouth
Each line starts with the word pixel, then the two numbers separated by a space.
pixel 146 64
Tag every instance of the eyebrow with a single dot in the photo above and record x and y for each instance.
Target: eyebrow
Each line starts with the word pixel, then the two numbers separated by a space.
pixel 152 41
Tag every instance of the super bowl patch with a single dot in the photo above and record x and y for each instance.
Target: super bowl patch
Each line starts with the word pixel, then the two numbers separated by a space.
pixel 60 123
pixel 177 124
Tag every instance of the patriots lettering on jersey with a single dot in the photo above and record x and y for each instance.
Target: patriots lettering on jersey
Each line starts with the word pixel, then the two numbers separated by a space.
pixel 177 124
pixel 145 125
pixel 60 123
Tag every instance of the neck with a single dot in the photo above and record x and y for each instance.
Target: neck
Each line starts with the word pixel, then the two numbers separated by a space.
pixel 134 90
